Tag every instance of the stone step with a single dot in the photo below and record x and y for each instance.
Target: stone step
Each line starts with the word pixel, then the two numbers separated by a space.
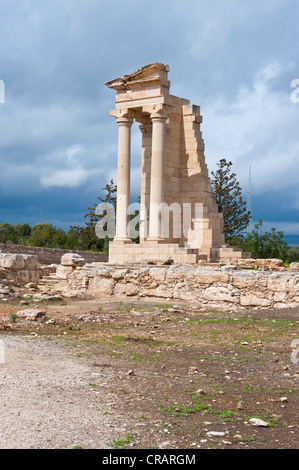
pixel 48 281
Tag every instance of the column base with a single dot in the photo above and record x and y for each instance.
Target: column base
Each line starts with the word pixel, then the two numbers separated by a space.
pixel 122 240
pixel 155 239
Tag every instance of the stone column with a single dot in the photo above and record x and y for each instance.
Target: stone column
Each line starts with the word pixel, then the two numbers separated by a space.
pixel 157 175
pixel 146 130
pixel 123 177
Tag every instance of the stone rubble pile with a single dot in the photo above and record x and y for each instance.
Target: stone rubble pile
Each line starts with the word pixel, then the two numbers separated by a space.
pixel 8 287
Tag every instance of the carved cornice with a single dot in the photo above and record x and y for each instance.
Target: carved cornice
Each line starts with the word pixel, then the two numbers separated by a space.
pixel 148 74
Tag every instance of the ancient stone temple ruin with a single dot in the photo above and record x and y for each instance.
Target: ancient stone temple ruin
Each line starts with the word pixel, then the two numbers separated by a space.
pixel 179 219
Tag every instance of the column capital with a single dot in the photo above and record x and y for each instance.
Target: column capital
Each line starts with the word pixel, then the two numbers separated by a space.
pixel 159 117
pixel 127 121
pixel 123 115
pixel 158 109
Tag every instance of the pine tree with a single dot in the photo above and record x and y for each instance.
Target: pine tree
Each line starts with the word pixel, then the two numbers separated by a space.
pixel 111 190
pixel 87 234
pixel 228 195
pixel 110 198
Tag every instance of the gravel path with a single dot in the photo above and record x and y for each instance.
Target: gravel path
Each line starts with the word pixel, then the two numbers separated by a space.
pixel 47 399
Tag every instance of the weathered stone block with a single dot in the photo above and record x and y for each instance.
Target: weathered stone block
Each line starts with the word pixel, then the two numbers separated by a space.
pixel 128 289
pixel 209 276
pixel 294 266
pixel 74 293
pixel 62 272
pixel 279 282
pixel 269 263
pixel 31 261
pixel 100 285
pixel 12 261
pixel 27 275
pixel 219 294
pixel 119 274
pixel 251 300
pixel 159 274
pixel 185 271
pixel 31 314
pixel 72 259
pixel 245 279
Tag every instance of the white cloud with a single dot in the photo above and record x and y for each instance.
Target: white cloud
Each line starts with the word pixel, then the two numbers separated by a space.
pixel 258 128
pixel 65 178
pixel 72 152
pixel 71 176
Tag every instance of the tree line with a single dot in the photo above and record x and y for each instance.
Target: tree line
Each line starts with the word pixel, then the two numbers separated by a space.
pixel 227 193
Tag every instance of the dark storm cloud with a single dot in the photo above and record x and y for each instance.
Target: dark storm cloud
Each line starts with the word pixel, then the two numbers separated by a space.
pixel 58 144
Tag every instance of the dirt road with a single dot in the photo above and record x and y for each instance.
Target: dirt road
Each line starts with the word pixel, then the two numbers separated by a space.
pixel 47 400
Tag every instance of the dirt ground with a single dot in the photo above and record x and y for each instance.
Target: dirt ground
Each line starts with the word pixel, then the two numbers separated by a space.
pixel 145 374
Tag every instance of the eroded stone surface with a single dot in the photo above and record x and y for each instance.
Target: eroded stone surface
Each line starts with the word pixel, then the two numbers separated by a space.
pixel 72 259
pixel 219 286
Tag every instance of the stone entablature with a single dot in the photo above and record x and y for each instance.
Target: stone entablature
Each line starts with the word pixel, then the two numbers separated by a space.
pixel 174 175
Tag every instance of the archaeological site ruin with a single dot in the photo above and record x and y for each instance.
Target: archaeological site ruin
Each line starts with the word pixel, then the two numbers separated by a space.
pixel 179 219
pixel 182 254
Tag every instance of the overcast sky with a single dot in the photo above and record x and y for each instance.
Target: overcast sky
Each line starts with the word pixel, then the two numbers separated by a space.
pixel 236 59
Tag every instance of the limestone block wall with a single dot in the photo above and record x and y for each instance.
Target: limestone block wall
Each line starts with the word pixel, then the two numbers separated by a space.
pixel 51 255
pixel 185 179
pixel 219 287
pixel 19 268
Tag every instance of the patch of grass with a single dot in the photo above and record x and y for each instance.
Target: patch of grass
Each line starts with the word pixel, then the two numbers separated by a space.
pixel 138 357
pixel 163 305
pixel 13 317
pixel 121 443
pixel 197 405
pixel 183 410
pixel 134 339
pixel 92 341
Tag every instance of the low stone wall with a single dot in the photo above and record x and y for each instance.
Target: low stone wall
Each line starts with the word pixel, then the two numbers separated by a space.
pixel 223 286
pixel 19 268
pixel 51 255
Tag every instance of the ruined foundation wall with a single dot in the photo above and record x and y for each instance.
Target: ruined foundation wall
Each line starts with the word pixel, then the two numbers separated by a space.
pixel 220 287
pixel 19 268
